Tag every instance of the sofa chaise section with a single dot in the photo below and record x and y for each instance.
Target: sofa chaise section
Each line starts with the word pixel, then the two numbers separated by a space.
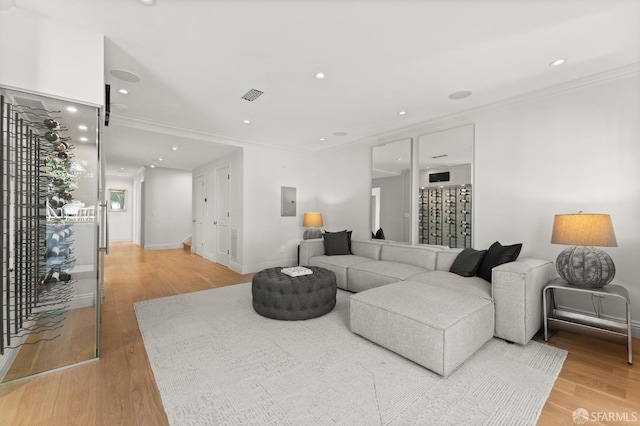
pixel 437 328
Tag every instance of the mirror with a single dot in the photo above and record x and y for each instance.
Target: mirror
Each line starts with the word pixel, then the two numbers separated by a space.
pixel 391 191
pixel 445 187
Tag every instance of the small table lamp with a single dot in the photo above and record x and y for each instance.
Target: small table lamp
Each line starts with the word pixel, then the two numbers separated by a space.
pixel 312 220
pixel 584 265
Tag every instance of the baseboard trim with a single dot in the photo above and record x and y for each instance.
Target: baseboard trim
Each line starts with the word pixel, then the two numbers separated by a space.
pixel 169 246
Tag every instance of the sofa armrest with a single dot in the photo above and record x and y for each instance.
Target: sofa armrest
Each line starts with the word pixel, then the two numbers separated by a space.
pixel 517 295
pixel 309 249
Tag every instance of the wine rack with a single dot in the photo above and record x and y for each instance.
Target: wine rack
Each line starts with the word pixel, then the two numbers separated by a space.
pixel 36 255
pixel 445 216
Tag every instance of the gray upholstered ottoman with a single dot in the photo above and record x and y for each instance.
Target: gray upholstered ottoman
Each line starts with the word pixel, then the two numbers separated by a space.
pixel 279 296
pixel 434 327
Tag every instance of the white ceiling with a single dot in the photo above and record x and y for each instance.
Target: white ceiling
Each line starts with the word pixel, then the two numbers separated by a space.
pixel 196 58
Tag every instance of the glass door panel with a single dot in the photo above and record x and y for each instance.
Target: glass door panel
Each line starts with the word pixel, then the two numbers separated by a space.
pixel 50 300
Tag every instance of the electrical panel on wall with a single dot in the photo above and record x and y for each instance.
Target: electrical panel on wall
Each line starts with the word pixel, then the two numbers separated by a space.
pixel 445 216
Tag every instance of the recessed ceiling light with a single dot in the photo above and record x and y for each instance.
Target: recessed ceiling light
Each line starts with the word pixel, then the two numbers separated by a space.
pixel 320 75
pixel 460 95
pixel 557 62
pixel 402 113
pixel 148 2
pixel 340 134
pixel 72 109
pixel 160 158
pixel 121 169
pixel 321 139
pixel 123 91
pixel 125 75
pixel 398 159
pixel 83 139
pixel 153 166
pixel 174 147
pixel 246 122
pixel 83 127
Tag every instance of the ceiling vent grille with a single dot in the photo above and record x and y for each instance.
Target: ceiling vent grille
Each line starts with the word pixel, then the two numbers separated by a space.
pixel 440 156
pixel 252 95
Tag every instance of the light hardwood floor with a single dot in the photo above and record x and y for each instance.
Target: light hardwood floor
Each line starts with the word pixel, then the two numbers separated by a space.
pixel 119 388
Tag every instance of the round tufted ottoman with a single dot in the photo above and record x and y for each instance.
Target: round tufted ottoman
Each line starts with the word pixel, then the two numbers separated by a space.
pixel 279 296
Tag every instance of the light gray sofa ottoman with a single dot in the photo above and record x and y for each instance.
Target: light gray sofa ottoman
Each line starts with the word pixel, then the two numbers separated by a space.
pixel 437 328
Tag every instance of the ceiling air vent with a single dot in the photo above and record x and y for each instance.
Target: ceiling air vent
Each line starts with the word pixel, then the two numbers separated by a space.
pixel 440 156
pixel 252 95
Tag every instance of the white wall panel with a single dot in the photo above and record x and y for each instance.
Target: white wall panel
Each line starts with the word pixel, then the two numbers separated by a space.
pixel 51 58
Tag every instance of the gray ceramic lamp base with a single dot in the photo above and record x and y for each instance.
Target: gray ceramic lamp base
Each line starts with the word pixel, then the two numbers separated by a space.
pixel 587 267
pixel 311 233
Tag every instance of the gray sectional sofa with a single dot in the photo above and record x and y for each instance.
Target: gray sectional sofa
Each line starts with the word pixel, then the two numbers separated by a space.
pixel 407 300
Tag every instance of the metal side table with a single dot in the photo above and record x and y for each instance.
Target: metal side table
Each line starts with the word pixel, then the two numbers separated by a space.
pixel 553 314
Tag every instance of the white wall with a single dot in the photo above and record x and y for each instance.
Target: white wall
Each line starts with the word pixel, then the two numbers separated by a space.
pixel 121 222
pixel 268 239
pixel 344 189
pixel 167 208
pixel 576 150
pixel 45 56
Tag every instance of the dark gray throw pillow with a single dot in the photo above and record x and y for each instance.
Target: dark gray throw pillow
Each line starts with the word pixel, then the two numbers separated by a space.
pixel 467 262
pixel 336 243
pixel 348 237
pixel 497 255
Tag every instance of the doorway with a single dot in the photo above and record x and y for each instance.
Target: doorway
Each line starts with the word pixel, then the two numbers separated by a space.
pixel 221 220
pixel 197 243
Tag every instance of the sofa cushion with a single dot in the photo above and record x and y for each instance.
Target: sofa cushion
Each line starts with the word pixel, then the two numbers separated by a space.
pixel 366 275
pixel 467 262
pixel 338 265
pixel 336 243
pixel 445 258
pixel 421 256
pixel 370 249
pixel 473 286
pixel 496 255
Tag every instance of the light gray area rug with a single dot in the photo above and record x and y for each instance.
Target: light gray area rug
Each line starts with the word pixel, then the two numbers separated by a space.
pixel 217 362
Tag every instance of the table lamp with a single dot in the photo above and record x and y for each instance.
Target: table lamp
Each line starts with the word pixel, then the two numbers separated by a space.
pixel 584 265
pixel 313 221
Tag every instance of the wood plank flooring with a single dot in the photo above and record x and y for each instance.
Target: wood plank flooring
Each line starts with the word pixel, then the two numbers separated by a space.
pixel 119 389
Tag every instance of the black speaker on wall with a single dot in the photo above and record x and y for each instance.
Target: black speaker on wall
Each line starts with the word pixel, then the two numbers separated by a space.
pixel 439 177
pixel 107 103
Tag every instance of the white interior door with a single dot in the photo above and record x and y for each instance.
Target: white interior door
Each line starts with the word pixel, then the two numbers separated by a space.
pixel 222 216
pixel 197 240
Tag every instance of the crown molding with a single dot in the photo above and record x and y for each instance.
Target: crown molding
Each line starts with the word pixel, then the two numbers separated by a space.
pixel 431 125
pixel 461 118
pixel 169 129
